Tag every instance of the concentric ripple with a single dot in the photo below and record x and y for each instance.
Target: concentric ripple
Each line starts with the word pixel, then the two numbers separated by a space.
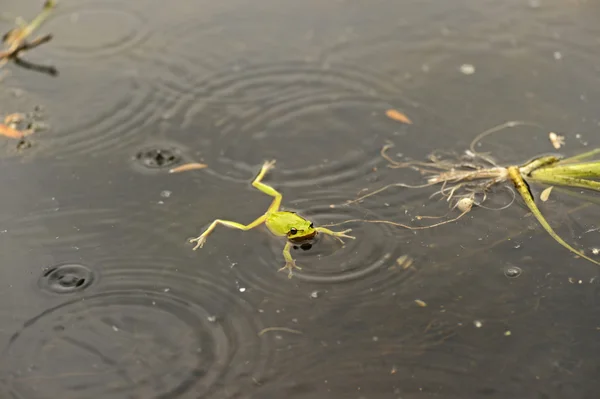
pixel 67 231
pixel 370 262
pixel 284 109
pixel 152 332
pixel 109 116
pixel 93 29
pixel 66 278
pixel 46 228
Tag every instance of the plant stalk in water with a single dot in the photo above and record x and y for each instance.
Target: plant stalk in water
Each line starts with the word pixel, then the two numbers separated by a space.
pixel 465 180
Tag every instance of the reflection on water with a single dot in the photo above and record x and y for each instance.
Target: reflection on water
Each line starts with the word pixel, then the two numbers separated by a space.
pixel 102 295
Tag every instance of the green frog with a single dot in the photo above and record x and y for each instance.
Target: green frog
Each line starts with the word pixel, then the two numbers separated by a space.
pixel 280 223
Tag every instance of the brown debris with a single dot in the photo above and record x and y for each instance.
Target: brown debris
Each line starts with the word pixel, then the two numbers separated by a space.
pixel 188 166
pixel 398 116
pixel 12 133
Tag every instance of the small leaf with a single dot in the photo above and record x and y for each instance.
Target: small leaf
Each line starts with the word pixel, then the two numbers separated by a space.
pixel 398 116
pixel 546 194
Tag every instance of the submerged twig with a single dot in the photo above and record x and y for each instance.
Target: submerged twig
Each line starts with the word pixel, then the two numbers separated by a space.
pixel 47 69
pixel 400 224
pixel 494 130
pixel 385 188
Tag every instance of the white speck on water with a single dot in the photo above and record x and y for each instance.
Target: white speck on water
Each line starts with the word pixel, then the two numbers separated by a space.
pixel 557 55
pixel 314 294
pixel 166 193
pixel 535 3
pixel 595 251
pixel 478 323
pixel 507 333
pixel 115 328
pixel 467 69
pixel 166 290
pixel 242 289
pixel 375 339
pixel 212 319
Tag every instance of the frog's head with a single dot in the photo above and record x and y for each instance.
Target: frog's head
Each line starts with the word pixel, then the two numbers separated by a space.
pixel 301 230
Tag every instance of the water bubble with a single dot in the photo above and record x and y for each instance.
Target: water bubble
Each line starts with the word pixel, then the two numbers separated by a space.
pixel 158 157
pixel 467 69
pixel 512 271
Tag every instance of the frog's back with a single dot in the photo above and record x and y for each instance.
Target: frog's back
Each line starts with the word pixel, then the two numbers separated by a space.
pixel 281 223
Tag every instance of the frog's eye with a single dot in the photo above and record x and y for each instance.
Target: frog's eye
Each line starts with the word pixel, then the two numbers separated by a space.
pixel 293 231
pixel 311 226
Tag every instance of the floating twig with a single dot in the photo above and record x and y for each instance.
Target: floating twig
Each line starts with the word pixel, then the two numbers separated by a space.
pixel 284 329
pixel 16 39
pixel 188 166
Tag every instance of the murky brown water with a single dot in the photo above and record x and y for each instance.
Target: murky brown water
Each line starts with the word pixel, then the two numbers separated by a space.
pixel 101 296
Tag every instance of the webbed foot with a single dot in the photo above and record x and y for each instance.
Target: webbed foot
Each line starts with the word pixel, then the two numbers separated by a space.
pixel 199 241
pixel 290 266
pixel 339 234
pixel 268 165
pixel 336 234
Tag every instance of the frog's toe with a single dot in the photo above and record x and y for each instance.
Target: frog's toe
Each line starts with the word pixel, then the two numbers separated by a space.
pixel 269 164
pixel 290 266
pixel 199 242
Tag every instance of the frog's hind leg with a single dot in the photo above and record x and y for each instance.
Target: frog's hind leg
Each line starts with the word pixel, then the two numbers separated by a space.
pixel 290 263
pixel 268 165
pixel 201 239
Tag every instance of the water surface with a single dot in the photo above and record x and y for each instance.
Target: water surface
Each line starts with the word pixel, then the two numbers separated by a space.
pixel 102 296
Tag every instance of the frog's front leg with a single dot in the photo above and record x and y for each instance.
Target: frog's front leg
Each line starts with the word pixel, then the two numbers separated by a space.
pixel 201 239
pixel 336 234
pixel 290 263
